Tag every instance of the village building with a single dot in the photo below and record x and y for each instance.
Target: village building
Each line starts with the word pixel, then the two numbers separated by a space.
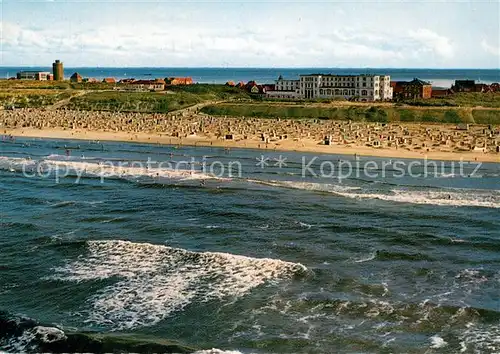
pixel 76 78
pixel 34 75
pixel 318 86
pixel 482 88
pixel 415 89
pixel 464 86
pixel 174 81
pixel 147 85
pixel 440 93
pixel 256 89
pixel 109 80
pixel 126 81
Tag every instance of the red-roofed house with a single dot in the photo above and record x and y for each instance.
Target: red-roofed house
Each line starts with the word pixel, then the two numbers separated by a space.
pixel 411 89
pixel 439 93
pixel 76 78
pixel 179 81
pixel 482 88
pixel 126 81
pixel 147 85
pixel 109 80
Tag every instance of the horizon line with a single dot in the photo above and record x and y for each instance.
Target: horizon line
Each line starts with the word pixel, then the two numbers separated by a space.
pixel 249 67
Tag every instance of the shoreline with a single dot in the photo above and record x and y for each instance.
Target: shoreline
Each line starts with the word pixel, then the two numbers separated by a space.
pixel 302 145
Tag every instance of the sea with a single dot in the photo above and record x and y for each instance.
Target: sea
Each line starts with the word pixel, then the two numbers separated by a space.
pixel 437 77
pixel 245 251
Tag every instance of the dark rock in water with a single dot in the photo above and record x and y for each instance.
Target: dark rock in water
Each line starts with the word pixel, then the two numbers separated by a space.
pixel 20 334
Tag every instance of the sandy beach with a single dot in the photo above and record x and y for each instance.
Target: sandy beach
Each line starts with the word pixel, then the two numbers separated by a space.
pixel 401 140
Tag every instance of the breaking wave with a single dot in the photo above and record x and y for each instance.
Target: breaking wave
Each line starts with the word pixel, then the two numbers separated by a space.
pixel 436 196
pixel 461 198
pixel 154 281
pixel 79 167
pixel 448 197
pixel 19 334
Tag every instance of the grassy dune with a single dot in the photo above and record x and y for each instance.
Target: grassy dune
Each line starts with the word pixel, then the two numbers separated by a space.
pixel 133 101
pixel 462 99
pixel 358 113
pixel 53 85
pixel 32 98
pixel 175 98
pixel 458 108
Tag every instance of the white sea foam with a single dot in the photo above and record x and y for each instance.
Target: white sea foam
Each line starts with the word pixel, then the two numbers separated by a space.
pixel 368 258
pixel 64 157
pixel 305 225
pixel 480 338
pixel 49 334
pixel 437 342
pixel 27 341
pixel 462 198
pixel 106 170
pixel 154 281
pixel 80 167
pixel 449 197
pixel 310 186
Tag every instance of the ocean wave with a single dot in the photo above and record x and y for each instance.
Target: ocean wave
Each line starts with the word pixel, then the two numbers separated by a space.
pixel 414 195
pixel 462 198
pixel 308 186
pixel 480 338
pixel 155 281
pixel 81 167
pixel 376 318
pixel 20 334
pixel 445 197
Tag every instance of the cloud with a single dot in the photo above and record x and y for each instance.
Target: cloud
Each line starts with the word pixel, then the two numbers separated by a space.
pixel 212 44
pixel 489 48
pixel 432 42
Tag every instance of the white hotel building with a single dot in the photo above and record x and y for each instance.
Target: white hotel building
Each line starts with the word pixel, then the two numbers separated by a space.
pixel 317 86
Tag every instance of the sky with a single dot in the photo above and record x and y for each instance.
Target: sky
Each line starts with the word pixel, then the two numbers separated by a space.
pixel 226 33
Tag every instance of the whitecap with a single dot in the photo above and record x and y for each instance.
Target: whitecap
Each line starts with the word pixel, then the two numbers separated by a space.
pixel 305 225
pixel 370 257
pixel 448 197
pixel 437 342
pixel 155 281
pixel 442 198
